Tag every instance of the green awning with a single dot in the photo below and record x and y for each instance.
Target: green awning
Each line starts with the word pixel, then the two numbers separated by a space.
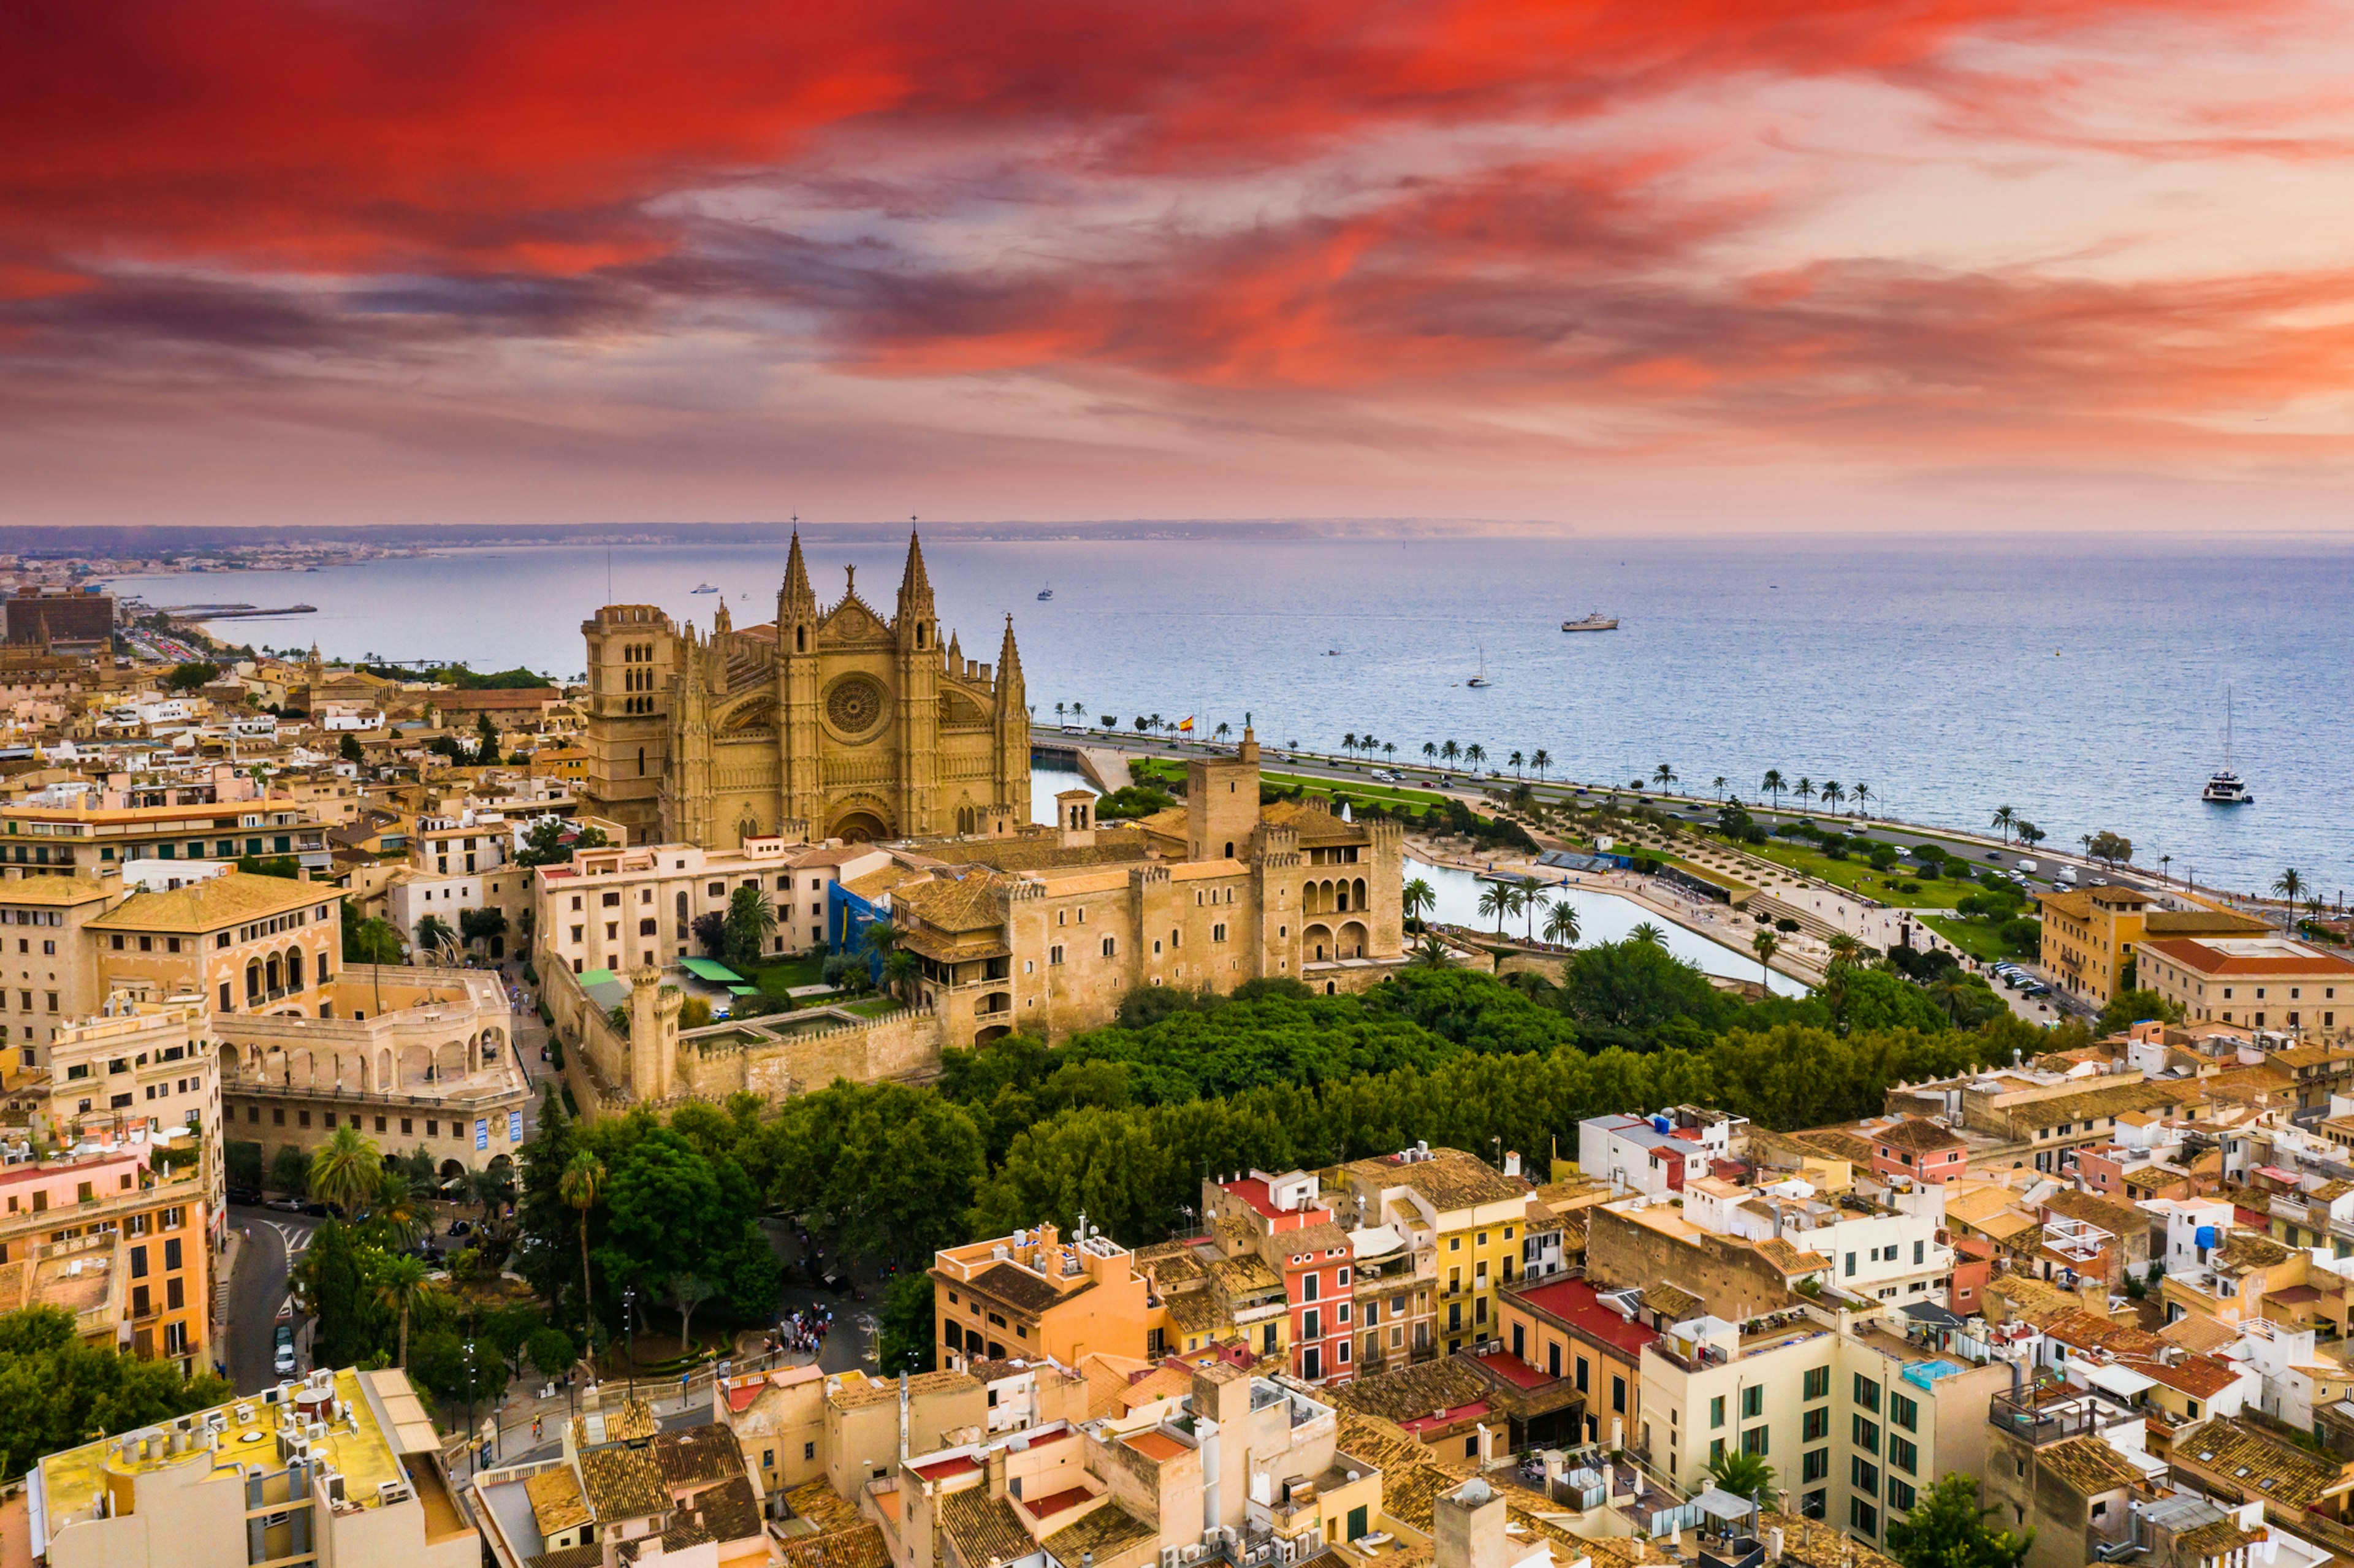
pixel 743 990
pixel 711 969
pixel 597 976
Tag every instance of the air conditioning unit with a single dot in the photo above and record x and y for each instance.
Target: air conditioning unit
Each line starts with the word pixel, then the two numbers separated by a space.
pixel 391 1491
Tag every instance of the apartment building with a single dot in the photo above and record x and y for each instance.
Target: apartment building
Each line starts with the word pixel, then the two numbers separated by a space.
pixel 1282 1219
pixel 1035 1293
pixel 135 1070
pixel 2092 936
pixel 48 980
pixel 115 1233
pixel 1567 1333
pixel 341 1470
pixel 2265 983
pixel 72 837
pixel 245 943
pixel 1468 1215
pixel 1200 1297
pixel 1883 1240
pixel 1855 1416
pixel 619 908
pixel 1658 1154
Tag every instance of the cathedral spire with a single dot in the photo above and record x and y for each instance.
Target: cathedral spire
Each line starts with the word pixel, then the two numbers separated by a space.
pixel 797 591
pixel 1008 660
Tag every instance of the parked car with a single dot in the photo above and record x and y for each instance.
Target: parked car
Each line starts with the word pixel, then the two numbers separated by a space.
pixel 250 1196
pixel 285 1205
pixel 282 1362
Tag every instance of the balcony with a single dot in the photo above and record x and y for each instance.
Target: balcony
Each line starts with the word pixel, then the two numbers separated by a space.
pixel 2056 1418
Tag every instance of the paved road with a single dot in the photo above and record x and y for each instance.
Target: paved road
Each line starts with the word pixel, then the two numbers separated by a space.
pixel 258 1295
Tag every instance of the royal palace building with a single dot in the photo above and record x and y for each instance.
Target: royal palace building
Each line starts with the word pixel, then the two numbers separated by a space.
pixel 833 723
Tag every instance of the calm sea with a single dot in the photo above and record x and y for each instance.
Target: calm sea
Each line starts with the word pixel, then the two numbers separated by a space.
pixel 2080 681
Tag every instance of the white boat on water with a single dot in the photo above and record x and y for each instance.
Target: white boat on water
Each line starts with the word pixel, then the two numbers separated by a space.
pixel 1045 593
pixel 1595 621
pixel 2225 786
pixel 704 588
pixel 1481 678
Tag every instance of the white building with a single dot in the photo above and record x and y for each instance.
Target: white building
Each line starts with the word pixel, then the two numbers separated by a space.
pixel 1883 1245
pixel 1658 1154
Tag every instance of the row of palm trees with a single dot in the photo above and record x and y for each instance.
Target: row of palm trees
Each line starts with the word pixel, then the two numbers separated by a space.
pixel 1530 899
pixel 1830 792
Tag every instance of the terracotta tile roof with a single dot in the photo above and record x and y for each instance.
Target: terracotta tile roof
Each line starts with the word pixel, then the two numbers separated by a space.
pixel 2088 1465
pixel 2243 1456
pixel 622 1483
pixel 2120 1220
pixel 1917 1134
pixel 722 1513
pixel 2201 1377
pixel 1117 844
pixel 1834 1143
pixel 697 1457
pixel 555 1501
pixel 2031 1299
pixel 1411 1393
pixel 986 1530
pixel 2199 923
pixel 1196 1312
pixel 1105 1531
pixel 1450 1178
pixel 1020 1288
pixel 1313 823
pixel 1811 1543
pixel 816 1503
pixel 2199 1334
pixel 2086 1333
pixel 2216 1538
pixel 2201 958
pixel 217 901
pixel 1790 1257
pixel 590 1554
pixel 56 891
pixel 843 1540
pixel 1162 1383
pixel 1673 1303
pixel 2243 1251
pixel 973 902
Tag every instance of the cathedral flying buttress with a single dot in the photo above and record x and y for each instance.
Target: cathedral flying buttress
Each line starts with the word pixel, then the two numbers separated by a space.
pixel 827 723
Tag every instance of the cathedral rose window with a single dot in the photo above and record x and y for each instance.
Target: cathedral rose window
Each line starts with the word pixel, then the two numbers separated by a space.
pixel 855 704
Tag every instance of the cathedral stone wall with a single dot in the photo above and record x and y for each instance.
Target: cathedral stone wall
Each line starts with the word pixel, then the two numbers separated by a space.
pixel 839 722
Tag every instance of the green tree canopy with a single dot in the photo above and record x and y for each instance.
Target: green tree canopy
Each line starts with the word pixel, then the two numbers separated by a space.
pixel 1947 1529
pixel 58 1393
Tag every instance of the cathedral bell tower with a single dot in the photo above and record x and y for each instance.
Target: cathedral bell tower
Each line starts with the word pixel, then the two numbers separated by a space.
pixel 915 721
pixel 802 795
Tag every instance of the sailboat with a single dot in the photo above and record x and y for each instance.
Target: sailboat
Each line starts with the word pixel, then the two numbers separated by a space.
pixel 1481 678
pixel 703 588
pixel 2224 787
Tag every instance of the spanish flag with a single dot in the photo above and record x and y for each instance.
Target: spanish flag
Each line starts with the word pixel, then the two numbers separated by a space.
pixel 1185 725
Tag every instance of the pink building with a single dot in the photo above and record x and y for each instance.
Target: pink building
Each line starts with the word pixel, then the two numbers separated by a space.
pixel 1289 1226
pixel 1917 1146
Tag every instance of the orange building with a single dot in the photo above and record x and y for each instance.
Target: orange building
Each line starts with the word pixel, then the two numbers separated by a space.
pixel 1034 1294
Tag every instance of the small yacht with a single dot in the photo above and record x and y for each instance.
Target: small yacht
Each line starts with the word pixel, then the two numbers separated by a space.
pixel 2224 787
pixel 1481 678
pixel 1045 593
pixel 704 588
pixel 1595 621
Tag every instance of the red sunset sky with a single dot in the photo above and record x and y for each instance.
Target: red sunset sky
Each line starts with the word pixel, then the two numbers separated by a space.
pixel 1675 263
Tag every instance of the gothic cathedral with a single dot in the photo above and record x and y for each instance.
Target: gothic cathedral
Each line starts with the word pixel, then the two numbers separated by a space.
pixel 824 724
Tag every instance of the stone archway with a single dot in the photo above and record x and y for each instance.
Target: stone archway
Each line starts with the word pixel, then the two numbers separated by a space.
pixel 1351 941
pixel 859 827
pixel 1316 944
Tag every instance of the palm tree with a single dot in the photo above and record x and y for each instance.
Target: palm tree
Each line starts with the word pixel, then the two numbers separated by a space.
pixel 397 1205
pixel 1541 759
pixel 344 1171
pixel 1862 796
pixel 432 932
pixel 1719 789
pixel 1648 931
pixel 1805 789
pixel 1561 926
pixel 1766 944
pixel 1432 953
pixel 1224 730
pixel 1058 713
pixel 1772 785
pixel 2164 863
pixel 1080 712
pixel 2005 819
pixel 400 1285
pixel 1416 896
pixel 1948 991
pixel 1449 752
pixel 1389 752
pixel 1844 948
pixel 1429 753
pixel 2289 884
pixel 900 967
pixel 1499 899
pixel 1533 903
pixel 1744 1475
pixel 1514 762
pixel 1349 743
pixel 1663 775
pixel 1475 754
pixel 1832 793
pixel 582 1185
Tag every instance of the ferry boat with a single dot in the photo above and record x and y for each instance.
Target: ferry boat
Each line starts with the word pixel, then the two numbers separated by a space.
pixel 704 588
pixel 2224 787
pixel 1595 621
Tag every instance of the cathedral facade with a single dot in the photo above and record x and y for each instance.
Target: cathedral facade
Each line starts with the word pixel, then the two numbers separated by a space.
pixel 827 723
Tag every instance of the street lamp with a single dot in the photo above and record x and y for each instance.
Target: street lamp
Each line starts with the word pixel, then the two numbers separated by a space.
pixel 473 1462
pixel 630 1325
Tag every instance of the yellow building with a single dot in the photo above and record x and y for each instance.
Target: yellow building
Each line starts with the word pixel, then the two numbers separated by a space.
pixel 46 976
pixel 833 723
pixel 54 840
pixel 244 943
pixel 346 1471
pixel 1034 1294
pixel 1472 1216
pixel 2091 935
pixel 2262 982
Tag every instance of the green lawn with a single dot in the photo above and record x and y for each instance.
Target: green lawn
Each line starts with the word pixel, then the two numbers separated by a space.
pixel 1979 941
pixel 779 978
pixel 1856 876
pixel 874 1006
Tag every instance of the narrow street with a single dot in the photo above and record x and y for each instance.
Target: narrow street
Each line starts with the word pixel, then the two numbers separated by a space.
pixel 257 1298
